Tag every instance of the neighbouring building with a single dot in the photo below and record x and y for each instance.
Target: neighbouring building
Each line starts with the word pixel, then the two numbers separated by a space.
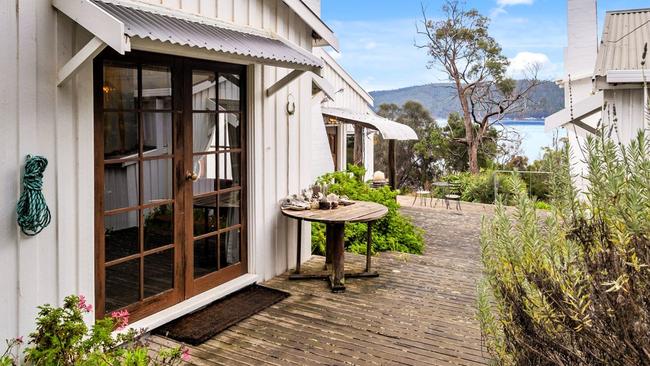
pixel 172 129
pixel 603 80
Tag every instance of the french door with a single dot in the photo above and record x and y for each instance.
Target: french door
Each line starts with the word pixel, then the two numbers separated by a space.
pixel 169 179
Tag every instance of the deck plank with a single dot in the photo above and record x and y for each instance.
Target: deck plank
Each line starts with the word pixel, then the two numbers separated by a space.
pixel 421 310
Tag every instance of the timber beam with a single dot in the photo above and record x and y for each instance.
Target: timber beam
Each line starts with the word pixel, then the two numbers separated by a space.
pixel 88 52
pixel 293 75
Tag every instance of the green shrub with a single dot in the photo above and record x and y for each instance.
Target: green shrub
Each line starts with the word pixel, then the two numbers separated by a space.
pixel 573 287
pixel 63 338
pixel 393 232
pixel 480 187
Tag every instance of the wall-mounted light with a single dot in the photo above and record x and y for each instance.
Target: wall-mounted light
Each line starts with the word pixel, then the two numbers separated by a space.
pixel 291 105
pixel 332 120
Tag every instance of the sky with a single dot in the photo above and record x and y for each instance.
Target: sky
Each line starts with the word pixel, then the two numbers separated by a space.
pixel 377 37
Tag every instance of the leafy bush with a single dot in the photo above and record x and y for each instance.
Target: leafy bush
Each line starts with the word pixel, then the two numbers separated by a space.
pixel 573 287
pixel 393 232
pixel 480 187
pixel 63 338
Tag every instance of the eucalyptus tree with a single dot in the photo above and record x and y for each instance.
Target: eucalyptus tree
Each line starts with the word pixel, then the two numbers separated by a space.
pixel 460 46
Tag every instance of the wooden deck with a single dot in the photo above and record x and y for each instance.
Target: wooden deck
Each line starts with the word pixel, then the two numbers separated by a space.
pixel 420 311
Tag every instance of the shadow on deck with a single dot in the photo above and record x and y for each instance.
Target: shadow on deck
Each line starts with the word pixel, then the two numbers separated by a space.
pixel 420 311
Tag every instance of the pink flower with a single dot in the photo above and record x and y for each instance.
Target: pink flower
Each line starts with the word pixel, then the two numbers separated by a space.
pixel 19 339
pixel 185 354
pixel 83 305
pixel 121 318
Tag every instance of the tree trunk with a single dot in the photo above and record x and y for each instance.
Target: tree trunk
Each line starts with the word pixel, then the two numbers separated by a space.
pixel 472 142
pixel 472 152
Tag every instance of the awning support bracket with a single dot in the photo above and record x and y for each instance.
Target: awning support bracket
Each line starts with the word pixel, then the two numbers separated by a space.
pixel 283 82
pixel 89 51
pixel 584 126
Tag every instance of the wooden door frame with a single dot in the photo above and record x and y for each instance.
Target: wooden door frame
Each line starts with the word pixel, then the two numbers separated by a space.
pixel 196 286
pixel 182 261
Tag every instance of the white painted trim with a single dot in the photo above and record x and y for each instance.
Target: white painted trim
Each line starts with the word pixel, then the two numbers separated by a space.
pixel 293 75
pixel 253 162
pixel 314 22
pixel 88 52
pixel 581 110
pixel 584 75
pixel 194 303
pixel 98 22
pixel 626 76
pixel 329 60
pixel 325 86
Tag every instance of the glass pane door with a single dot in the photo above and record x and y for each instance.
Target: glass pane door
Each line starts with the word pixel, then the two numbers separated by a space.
pixel 216 172
pixel 139 245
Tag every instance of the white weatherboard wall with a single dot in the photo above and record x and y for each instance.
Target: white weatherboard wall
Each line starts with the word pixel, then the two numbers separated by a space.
pixel 629 112
pixel 39 118
pixel 350 95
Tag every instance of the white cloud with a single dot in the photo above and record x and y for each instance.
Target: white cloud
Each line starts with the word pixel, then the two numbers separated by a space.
pixel 370 45
pixel 497 11
pixel 514 2
pixel 524 62
pixel 502 4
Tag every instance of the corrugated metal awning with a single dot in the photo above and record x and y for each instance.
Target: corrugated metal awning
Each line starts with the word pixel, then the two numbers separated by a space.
pixel 624 35
pixel 389 130
pixel 158 24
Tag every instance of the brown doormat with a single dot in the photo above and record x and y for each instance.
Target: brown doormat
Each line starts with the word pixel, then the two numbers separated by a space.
pixel 205 323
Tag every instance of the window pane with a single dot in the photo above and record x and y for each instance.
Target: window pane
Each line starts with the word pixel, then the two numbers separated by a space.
pixel 229 92
pixel 157 129
pixel 157 179
pixel 122 285
pixel 205 218
pixel 203 91
pixel 156 87
pixel 204 132
pixel 121 235
pixel 120 87
pixel 158 226
pixel 206 169
pixel 205 256
pixel 158 272
pixel 229 131
pixel 120 135
pixel 229 170
pixel 229 253
pixel 229 206
pixel 120 185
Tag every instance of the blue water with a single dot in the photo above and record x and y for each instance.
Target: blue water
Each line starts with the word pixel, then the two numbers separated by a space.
pixel 533 137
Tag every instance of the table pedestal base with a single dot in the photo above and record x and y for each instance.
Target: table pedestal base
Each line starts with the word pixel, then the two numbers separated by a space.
pixel 328 276
pixel 334 270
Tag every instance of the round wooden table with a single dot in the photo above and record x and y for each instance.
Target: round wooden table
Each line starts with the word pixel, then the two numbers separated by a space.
pixel 335 221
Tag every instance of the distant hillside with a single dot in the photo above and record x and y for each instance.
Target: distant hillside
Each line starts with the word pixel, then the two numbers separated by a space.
pixel 440 99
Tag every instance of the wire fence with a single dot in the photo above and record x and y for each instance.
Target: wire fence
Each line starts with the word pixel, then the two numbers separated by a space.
pixel 529 184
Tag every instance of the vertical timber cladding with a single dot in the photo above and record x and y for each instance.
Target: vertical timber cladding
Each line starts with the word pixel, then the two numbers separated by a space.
pixel 170 179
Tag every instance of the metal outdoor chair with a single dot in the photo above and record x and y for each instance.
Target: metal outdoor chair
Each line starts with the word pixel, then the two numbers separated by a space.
pixel 423 193
pixel 453 194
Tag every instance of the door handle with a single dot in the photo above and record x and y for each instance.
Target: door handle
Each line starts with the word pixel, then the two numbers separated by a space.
pixel 191 176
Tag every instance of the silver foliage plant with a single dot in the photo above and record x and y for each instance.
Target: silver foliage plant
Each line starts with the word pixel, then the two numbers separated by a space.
pixel 572 286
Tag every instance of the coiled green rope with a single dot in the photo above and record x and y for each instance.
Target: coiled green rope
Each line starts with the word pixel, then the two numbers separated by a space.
pixel 33 215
